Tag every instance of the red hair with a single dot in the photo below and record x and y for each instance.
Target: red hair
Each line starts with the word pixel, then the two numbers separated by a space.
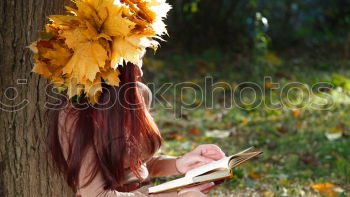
pixel 114 129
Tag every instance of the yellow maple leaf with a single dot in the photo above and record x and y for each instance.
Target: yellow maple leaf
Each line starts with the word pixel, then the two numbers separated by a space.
pixel 141 8
pixel 58 55
pixel 99 3
pixel 86 61
pixel 111 77
pixel 41 68
pixel 93 89
pixel 50 54
pixel 116 24
pixel 106 44
pixel 75 36
pixel 86 11
pixel 126 48
pixel 101 7
pixel 77 32
pixel 64 20
pixel 130 48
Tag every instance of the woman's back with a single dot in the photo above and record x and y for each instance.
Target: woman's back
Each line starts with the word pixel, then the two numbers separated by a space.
pixel 96 185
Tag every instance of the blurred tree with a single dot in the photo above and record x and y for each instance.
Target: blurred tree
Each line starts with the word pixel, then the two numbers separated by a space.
pixel 25 168
pixel 195 25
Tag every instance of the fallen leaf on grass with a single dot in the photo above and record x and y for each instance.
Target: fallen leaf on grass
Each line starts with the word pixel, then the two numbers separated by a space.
pixel 282 130
pixel 218 133
pixel 309 159
pixel 296 113
pixel 333 136
pixel 175 136
pixel 329 189
pixel 195 131
pixel 268 194
pixel 245 121
pixel 254 175
pixel 268 84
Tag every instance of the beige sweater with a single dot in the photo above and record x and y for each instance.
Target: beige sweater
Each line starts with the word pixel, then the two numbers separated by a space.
pixel 95 188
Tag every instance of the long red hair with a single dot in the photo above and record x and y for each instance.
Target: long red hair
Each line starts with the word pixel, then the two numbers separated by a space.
pixel 114 129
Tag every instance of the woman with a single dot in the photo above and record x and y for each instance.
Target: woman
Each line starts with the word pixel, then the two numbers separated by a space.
pixel 103 138
pixel 107 149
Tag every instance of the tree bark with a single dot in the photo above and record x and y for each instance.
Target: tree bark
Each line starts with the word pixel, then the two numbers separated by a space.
pixel 25 167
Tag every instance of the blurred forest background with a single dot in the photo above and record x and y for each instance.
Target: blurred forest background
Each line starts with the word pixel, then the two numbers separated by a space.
pixel 306 142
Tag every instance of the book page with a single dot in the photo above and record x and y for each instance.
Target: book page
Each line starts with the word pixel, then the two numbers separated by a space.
pixel 216 175
pixel 238 159
pixel 223 163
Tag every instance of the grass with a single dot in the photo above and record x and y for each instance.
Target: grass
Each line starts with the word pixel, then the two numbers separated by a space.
pixel 305 142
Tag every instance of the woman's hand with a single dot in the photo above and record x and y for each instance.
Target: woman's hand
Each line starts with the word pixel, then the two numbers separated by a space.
pixel 202 155
pixel 196 191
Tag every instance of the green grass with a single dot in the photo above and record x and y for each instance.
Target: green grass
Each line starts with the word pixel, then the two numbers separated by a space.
pixel 296 140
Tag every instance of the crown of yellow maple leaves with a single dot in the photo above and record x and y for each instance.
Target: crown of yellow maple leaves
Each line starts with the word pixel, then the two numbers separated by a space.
pixel 78 51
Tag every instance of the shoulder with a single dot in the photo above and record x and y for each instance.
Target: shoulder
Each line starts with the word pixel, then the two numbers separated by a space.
pixel 146 93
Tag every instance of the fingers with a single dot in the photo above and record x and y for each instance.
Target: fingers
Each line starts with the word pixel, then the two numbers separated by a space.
pixel 201 187
pixel 192 194
pixel 215 152
pixel 216 184
pixel 214 155
pixel 197 161
pixel 199 164
pixel 204 186
pixel 202 159
pixel 201 155
pixel 190 161
pixel 207 190
pixel 210 150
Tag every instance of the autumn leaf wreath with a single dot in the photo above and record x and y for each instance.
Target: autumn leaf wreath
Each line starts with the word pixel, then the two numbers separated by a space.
pixel 79 50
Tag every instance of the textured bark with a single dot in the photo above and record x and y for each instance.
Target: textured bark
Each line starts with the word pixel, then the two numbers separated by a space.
pixel 25 168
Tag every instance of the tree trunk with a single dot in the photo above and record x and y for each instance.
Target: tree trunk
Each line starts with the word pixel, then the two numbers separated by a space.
pixel 25 167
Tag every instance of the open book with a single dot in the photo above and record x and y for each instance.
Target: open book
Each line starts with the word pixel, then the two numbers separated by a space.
pixel 214 171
